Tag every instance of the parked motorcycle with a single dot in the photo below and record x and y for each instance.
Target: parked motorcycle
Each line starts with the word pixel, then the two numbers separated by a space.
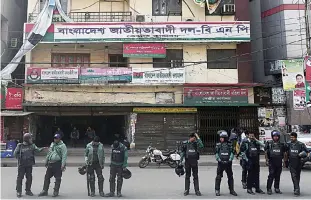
pixel 170 158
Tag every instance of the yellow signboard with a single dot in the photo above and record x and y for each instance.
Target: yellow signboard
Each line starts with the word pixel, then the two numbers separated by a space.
pixel 164 110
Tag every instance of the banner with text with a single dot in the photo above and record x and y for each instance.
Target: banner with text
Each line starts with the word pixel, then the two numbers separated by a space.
pixel 158 75
pixel 215 97
pixel 308 68
pixel 144 50
pixel 52 75
pixel 292 74
pixel 105 75
pixel 308 94
pixel 299 99
pixel 235 31
pixel 14 99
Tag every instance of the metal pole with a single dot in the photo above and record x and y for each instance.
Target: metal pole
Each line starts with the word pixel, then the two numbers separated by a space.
pixel 307 22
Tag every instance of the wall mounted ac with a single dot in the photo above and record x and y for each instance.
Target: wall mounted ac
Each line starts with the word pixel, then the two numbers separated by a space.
pixel 143 18
pixel 188 19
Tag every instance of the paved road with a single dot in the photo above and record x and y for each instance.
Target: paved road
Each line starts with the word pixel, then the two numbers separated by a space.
pixel 151 184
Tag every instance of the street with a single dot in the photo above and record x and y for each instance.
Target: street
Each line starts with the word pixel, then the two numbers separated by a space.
pixel 151 183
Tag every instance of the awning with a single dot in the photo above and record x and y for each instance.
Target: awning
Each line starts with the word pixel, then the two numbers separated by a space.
pixel 8 113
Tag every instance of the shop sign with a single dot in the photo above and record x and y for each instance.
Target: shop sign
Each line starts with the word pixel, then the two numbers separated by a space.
pixel 164 110
pixel 14 99
pixel 158 75
pixel 144 50
pixel 234 31
pixel 52 75
pixel 215 97
pixel 105 75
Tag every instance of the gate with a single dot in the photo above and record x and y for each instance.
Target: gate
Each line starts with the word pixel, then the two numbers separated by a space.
pixel 213 119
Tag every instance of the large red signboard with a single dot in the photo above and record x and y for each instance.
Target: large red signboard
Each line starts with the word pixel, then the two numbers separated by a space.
pixel 14 99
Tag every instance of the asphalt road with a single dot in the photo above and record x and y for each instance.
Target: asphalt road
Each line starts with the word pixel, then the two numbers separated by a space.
pixel 152 183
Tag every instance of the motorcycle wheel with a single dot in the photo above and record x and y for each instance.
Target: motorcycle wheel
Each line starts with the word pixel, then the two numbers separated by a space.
pixel 173 164
pixel 144 162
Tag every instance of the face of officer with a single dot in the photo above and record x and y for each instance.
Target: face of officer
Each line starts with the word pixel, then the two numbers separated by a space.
pixel 56 140
pixel 192 139
pixel 115 144
pixel 293 138
pixel 251 136
pixel 222 139
pixel 276 138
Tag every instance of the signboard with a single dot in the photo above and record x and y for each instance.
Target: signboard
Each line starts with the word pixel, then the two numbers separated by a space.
pixel 144 50
pixel 292 74
pixel 164 110
pixel 273 67
pixel 105 75
pixel 262 95
pixel 308 94
pixel 211 97
pixel 52 75
pixel 308 68
pixel 158 75
pixel 278 96
pixel 234 31
pixel 14 99
pixel 299 99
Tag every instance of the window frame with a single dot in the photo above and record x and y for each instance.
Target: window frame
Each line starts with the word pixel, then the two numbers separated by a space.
pixel 229 62
pixel 218 10
pixel 67 55
pixel 118 64
pixel 166 61
pixel 169 8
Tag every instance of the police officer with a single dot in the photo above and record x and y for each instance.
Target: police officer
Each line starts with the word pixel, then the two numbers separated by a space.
pixel 95 159
pixel 190 151
pixel 24 153
pixel 250 150
pixel 55 165
pixel 224 155
pixel 296 151
pixel 274 153
pixel 243 163
pixel 119 158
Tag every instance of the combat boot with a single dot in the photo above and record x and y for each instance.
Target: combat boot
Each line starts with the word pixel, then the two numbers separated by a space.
pixel 187 187
pixel 296 192
pixel 217 193
pixel 196 187
pixel 29 193
pixel 46 186
pixel 119 188
pixel 18 194
pixel 112 190
pixel 92 188
pixel 269 191
pixel 278 191
pixel 56 187
pixel 101 188
pixel 244 185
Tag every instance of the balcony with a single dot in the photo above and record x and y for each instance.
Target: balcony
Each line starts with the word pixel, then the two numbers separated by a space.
pixel 89 17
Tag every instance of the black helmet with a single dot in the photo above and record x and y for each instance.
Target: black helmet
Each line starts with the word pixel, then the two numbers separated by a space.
pixel 82 170
pixel 179 170
pixel 126 173
pixel 222 134
pixel 27 137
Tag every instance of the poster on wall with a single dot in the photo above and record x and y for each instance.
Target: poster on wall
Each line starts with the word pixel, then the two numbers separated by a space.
pixel 308 94
pixel 292 74
pixel 278 96
pixel 308 68
pixel 14 99
pixel 299 99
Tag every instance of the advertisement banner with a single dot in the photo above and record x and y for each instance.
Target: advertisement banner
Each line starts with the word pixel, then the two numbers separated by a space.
pixel 292 74
pixel 105 75
pixel 231 31
pixel 164 110
pixel 299 99
pixel 158 75
pixel 14 99
pixel 52 75
pixel 144 50
pixel 308 94
pixel 308 68
pixel 212 97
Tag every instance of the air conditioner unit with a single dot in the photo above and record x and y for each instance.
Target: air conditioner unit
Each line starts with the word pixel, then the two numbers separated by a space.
pixel 188 19
pixel 228 9
pixel 140 18
pixel 13 42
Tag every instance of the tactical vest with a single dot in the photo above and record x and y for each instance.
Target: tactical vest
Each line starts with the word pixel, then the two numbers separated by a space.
pixel 27 157
pixel 294 150
pixel 253 150
pixel 192 152
pixel 95 154
pixel 276 150
pixel 117 155
pixel 225 151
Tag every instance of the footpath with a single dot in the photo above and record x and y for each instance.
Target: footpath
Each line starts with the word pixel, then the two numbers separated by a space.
pixel 76 161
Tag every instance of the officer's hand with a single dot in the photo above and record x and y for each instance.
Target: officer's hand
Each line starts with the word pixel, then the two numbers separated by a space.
pixel 196 135
pixel 267 162
pixel 63 168
pixel 102 167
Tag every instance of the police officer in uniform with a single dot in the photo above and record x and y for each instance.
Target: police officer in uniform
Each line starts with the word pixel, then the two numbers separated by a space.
pixel 95 160
pixel 296 151
pixel 251 154
pixel 190 151
pixel 24 153
pixel 119 158
pixel 243 163
pixel 274 152
pixel 224 155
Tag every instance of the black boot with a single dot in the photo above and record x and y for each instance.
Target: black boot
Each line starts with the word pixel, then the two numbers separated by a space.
pixel 92 188
pixel 217 193
pixel 112 190
pixel 278 191
pixel 56 187
pixel 196 187
pixel 18 194
pixel 28 186
pixel 217 185
pixel 119 187
pixel 101 188
pixel 29 193
pixel 269 191
pixel 46 186
pixel 19 185
pixel 259 191
pixel 244 185
pixel 187 187
pixel 250 191
pixel 297 192
pixel 231 187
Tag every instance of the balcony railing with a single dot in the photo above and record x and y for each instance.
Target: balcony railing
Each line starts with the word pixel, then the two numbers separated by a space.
pixel 90 17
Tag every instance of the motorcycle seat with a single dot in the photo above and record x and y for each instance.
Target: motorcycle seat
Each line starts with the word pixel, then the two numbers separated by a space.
pixel 167 152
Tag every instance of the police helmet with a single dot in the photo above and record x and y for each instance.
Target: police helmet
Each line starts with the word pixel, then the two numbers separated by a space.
pixel 82 170
pixel 126 173
pixel 303 154
pixel 223 134
pixel 275 133
pixel 179 170
pixel 27 137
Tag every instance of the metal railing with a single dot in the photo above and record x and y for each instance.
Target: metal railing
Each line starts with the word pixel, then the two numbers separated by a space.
pixel 90 17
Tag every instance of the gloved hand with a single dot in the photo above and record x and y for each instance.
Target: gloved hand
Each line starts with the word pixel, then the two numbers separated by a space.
pixel 63 168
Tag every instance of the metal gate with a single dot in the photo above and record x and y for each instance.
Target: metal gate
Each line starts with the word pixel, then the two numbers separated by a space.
pixel 212 119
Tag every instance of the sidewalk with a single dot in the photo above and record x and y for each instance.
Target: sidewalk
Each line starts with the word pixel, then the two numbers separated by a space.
pixel 76 161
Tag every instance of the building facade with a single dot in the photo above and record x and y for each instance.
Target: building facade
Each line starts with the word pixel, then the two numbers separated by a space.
pixel 149 70
pixel 278 33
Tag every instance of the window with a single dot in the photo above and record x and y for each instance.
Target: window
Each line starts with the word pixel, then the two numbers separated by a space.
pixel 221 59
pixel 166 7
pixel 214 9
pixel 174 59
pixel 70 60
pixel 117 60
pixel 4 30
